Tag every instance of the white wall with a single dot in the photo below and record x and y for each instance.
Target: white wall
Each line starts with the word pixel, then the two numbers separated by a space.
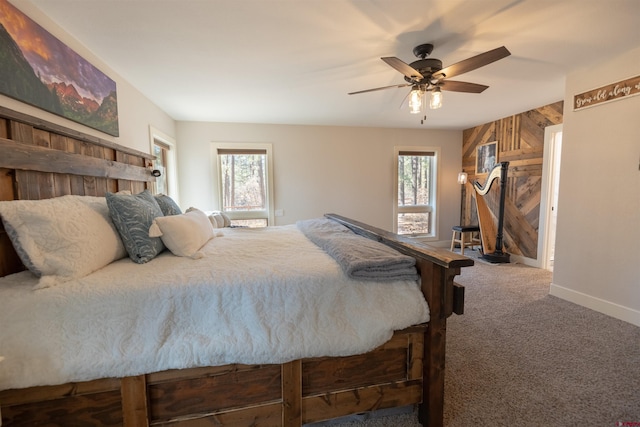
pixel 321 169
pixel 135 111
pixel 597 255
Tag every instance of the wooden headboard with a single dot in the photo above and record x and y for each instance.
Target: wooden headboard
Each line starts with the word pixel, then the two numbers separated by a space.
pixel 41 160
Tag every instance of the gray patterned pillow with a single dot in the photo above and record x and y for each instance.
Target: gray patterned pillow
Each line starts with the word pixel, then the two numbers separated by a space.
pixel 167 205
pixel 133 215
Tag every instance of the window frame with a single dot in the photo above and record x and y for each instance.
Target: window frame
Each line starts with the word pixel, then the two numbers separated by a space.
pixel 157 137
pixel 268 212
pixel 432 207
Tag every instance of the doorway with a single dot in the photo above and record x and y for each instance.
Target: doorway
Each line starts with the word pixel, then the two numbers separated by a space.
pixel 549 195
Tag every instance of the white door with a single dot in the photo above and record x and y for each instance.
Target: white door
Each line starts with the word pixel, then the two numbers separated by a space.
pixel 549 196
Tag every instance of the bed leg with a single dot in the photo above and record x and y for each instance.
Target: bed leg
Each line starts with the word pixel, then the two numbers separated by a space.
pixel 431 411
pixel 292 394
pixel 437 286
pixel 134 401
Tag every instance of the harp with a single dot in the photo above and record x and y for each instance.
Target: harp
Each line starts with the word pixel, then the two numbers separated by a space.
pixel 491 251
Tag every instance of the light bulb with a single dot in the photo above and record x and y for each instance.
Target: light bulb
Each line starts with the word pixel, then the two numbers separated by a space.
pixel 436 99
pixel 415 101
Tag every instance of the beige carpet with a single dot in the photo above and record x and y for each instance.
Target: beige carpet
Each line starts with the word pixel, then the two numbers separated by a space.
pixel 519 357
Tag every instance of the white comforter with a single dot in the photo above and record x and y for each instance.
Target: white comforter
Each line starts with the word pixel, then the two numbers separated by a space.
pixel 258 296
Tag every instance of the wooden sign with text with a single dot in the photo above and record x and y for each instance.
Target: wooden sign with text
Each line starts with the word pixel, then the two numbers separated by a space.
pixel 611 92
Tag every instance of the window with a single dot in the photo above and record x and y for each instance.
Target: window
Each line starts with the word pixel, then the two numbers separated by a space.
pixel 415 209
pixel 163 149
pixel 244 183
pixel 161 153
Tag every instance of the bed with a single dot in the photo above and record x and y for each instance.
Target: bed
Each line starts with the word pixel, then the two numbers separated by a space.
pixel 41 161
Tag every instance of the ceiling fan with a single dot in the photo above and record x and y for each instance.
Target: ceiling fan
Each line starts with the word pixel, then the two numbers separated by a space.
pixel 427 75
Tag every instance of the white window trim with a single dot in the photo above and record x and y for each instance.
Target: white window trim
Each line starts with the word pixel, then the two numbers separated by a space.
pixel 215 161
pixel 433 236
pixel 172 160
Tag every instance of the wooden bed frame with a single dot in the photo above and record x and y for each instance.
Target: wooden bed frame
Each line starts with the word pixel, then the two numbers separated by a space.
pixel 40 160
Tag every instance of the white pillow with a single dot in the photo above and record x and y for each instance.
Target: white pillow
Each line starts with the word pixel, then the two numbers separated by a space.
pixel 216 220
pixel 219 219
pixel 63 238
pixel 183 234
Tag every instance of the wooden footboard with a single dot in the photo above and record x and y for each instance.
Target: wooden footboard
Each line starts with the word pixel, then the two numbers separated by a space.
pixel 42 160
pixel 290 394
pixel 437 268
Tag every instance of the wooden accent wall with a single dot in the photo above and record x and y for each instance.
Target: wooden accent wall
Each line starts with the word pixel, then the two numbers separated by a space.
pixel 520 142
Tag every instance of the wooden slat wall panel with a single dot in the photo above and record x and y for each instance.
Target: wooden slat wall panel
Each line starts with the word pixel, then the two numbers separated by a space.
pixel 124 184
pixel 37 158
pixel 111 185
pixel 101 183
pixel 10 115
pixel 9 260
pixel 133 186
pixel 4 128
pixel 44 180
pixel 6 184
pixel 21 132
pixel 520 142
pixel 62 182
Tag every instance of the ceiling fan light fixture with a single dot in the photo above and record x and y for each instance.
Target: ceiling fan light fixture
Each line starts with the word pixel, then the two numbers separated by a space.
pixel 436 99
pixel 428 75
pixel 415 100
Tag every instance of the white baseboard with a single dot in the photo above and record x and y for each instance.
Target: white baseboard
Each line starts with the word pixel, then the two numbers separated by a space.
pixel 609 308
pixel 519 259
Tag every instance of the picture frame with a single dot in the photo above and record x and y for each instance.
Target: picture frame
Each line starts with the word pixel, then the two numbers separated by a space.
pixel 38 69
pixel 486 157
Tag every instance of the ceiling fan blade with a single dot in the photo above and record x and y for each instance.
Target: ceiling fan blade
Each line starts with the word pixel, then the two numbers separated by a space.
pixel 403 67
pixel 455 86
pixel 472 63
pixel 379 88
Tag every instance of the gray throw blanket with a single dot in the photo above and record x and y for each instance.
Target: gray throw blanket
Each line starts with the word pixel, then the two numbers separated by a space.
pixel 359 257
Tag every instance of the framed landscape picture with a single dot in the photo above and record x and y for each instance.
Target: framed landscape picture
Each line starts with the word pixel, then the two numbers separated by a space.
pixel 486 157
pixel 38 69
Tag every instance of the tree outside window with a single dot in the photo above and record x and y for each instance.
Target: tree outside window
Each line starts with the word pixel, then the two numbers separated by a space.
pixel 244 185
pixel 415 210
